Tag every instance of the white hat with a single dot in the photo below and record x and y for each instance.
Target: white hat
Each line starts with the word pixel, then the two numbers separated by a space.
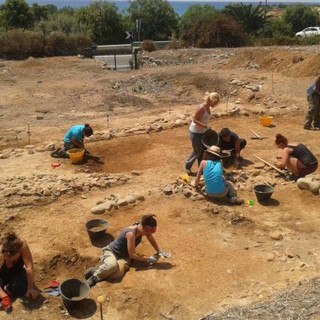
pixel 214 150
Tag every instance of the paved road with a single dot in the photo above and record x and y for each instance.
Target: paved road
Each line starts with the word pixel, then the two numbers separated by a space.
pixel 122 61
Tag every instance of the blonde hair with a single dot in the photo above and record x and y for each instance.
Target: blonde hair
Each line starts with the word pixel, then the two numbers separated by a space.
pixel 212 96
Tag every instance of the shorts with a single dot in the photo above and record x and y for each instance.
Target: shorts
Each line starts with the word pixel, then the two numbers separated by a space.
pixel 304 169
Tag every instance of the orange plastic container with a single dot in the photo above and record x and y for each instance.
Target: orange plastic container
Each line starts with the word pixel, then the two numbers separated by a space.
pixel 266 121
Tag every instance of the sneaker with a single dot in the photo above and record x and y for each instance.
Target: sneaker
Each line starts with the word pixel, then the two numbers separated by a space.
pixel 92 281
pixel 55 153
pixel 188 171
pixel 306 127
pixel 236 200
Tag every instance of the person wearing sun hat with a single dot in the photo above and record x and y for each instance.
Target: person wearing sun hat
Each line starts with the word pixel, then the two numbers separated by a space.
pixel 215 184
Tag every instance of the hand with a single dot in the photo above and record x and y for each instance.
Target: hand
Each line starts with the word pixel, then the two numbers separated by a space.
pixel 164 254
pixel 32 294
pixel 153 259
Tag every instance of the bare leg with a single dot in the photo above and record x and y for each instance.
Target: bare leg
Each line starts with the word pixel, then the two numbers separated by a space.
pixel 292 166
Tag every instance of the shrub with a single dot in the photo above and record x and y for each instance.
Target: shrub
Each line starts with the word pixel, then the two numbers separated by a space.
pixel 56 44
pixel 19 44
pixel 148 45
pixel 174 43
pixel 223 32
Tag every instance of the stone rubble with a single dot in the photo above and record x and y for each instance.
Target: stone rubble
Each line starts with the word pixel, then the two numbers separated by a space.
pixel 45 188
pixel 114 202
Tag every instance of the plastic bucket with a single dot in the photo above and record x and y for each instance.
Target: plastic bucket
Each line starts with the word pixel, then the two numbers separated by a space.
pixel 266 121
pixel 76 155
pixel 263 192
pixel 73 291
pixel 96 228
pixel 210 138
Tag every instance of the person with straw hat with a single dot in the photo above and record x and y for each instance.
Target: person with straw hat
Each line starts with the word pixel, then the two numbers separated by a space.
pixel 215 184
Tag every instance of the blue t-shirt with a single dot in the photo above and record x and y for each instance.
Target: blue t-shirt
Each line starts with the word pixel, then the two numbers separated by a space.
pixel 213 177
pixel 74 133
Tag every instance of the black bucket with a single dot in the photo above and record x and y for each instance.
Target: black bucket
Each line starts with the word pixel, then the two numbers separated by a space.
pixel 263 192
pixel 73 291
pixel 96 228
pixel 210 138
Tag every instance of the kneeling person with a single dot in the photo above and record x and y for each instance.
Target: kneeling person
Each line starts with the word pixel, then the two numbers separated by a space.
pixel 215 184
pixel 124 247
pixel 229 140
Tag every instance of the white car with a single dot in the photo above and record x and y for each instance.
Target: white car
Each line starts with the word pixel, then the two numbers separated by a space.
pixel 308 32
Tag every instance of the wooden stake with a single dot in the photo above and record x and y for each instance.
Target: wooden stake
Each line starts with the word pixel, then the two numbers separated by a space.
pixel 256 134
pixel 270 165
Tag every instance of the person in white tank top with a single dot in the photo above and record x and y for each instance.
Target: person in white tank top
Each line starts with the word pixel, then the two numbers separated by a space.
pixel 198 127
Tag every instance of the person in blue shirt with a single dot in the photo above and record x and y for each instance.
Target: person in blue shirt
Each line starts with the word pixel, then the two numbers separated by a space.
pixel 313 114
pixel 73 139
pixel 75 135
pixel 215 184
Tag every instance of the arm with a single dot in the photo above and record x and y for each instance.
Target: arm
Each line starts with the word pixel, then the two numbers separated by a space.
pixel 77 143
pixel 237 148
pixel 284 159
pixel 153 242
pixel 197 116
pixel 316 86
pixel 131 243
pixel 28 262
pixel 199 173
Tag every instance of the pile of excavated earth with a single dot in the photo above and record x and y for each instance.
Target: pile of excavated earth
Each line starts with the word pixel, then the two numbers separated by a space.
pixel 254 261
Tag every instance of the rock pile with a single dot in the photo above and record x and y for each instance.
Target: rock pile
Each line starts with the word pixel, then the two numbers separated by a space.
pixel 114 202
pixel 44 188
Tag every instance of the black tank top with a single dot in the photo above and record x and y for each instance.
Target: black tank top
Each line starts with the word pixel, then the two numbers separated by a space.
pixel 119 246
pixel 16 268
pixel 302 153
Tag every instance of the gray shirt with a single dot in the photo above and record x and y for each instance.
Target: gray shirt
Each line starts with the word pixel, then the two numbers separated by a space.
pixel 120 247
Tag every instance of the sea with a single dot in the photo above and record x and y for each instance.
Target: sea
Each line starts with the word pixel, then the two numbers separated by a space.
pixel 178 6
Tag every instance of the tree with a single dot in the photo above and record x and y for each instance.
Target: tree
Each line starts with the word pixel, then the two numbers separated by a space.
pixel 195 21
pixel 158 18
pixel 15 14
pixel 39 12
pixel 300 16
pixel 252 18
pixel 102 21
pixel 195 13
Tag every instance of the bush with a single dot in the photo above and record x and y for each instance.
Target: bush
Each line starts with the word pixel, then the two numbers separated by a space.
pixel 19 44
pixel 287 41
pixel 148 45
pixel 174 43
pixel 59 44
pixel 224 31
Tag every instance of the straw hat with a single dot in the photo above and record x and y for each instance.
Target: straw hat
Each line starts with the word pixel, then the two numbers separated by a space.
pixel 214 150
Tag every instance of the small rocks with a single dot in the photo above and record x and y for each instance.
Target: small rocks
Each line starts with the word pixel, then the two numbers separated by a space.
pixel 167 190
pixel 20 191
pixel 270 257
pixel 276 235
pixel 114 202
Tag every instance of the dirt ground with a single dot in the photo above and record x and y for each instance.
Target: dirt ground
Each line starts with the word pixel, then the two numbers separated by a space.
pixel 222 256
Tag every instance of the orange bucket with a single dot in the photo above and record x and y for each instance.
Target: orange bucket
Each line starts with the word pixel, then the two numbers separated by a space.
pixel 266 121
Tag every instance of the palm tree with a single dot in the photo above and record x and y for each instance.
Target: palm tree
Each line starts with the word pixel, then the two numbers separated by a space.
pixel 252 18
